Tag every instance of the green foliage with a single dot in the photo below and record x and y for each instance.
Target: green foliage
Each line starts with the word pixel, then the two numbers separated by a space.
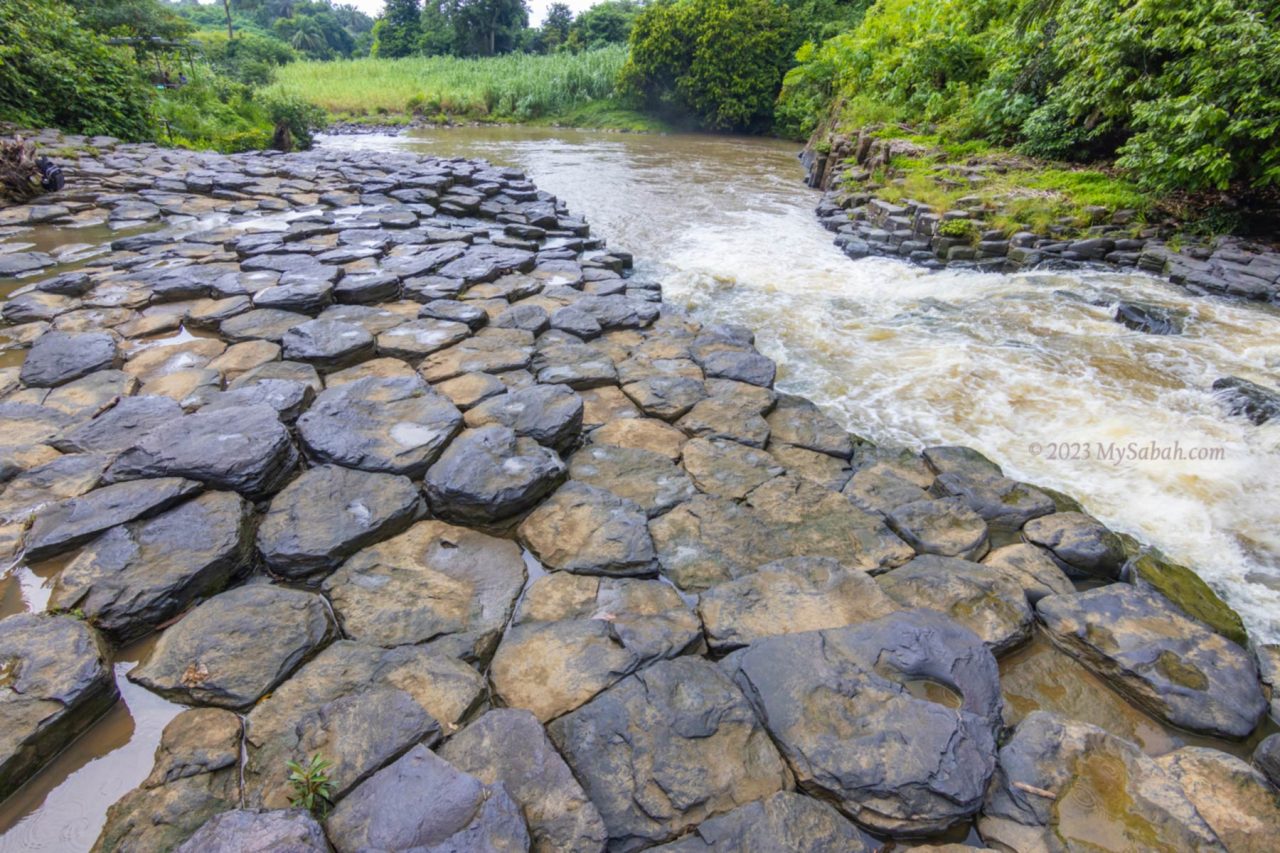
pixel 515 86
pixel 249 58
pixel 295 115
pixel 719 62
pixel 132 18
pixel 603 24
pixel 397 32
pixel 55 73
pixel 1185 93
pixel 213 112
pixel 312 788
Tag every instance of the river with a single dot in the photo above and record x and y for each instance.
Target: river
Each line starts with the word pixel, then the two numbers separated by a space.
pixel 1009 364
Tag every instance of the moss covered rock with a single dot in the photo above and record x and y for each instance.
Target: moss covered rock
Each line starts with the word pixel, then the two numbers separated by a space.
pixel 1186 591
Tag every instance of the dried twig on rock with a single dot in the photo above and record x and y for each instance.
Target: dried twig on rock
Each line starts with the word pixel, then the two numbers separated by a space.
pixel 19 172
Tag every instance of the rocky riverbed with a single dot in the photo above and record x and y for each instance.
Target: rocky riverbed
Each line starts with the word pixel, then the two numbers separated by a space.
pixel 398 467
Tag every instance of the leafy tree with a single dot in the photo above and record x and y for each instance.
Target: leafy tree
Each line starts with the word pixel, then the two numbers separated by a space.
pixel 718 61
pixel 397 32
pixel 604 23
pixel 437 28
pixel 487 27
pixel 555 29
pixel 132 18
pixel 56 73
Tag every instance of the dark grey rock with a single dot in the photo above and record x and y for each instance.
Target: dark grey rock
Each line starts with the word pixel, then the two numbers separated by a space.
pixel 244 448
pixel 836 704
pixel 1151 319
pixel 389 812
pixel 268 324
pixel 490 473
pixel 459 312
pixel 136 576
pixel 549 414
pixel 1081 545
pixel 328 344
pixel 666 748
pixel 329 513
pixel 417 339
pixel 784 821
pixel 65 524
pixel 531 318
pixel 218 654
pixel 288 397
pixel 367 288
pixel 800 423
pixel 1166 663
pixel 55 681
pixel 664 396
pixel 946 527
pixel 1001 502
pixel 393 425
pixel 1266 757
pixel 508 745
pixel 119 427
pixel 1246 398
pixel 59 357
pixel 259 831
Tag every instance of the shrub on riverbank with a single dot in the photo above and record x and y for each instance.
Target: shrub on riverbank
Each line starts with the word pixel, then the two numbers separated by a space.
pixel 1185 94
pixel 55 73
pixel 515 86
pixel 717 61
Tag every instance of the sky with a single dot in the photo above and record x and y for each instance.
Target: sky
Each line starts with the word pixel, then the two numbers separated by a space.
pixel 537 8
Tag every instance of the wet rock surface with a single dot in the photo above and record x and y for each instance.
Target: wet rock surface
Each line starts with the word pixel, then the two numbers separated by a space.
pixel 509 746
pixel 55 681
pixel 388 812
pixel 328 513
pixel 573 636
pixel 688 589
pixel 196 776
pixel 1169 665
pixel 136 576
pixel 666 748
pixel 850 730
pixel 1065 785
pixel 259 831
pixel 217 654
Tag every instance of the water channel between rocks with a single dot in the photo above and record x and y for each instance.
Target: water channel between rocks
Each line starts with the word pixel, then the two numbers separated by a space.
pixel 1003 363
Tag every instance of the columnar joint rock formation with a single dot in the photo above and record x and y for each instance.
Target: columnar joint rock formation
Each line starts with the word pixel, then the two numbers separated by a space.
pixel 402 469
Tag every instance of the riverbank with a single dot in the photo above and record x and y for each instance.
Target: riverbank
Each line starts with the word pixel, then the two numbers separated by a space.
pixel 566 89
pixel 485 395
pixel 975 207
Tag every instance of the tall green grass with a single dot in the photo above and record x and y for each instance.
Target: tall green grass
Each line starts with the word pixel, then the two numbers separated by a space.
pixel 522 87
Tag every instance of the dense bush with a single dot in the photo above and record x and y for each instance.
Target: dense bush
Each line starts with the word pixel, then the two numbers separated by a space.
pixel 55 73
pixel 1185 93
pixel 216 112
pixel 719 62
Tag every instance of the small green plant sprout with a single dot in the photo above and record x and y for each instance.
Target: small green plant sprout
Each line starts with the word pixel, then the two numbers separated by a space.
pixel 311 785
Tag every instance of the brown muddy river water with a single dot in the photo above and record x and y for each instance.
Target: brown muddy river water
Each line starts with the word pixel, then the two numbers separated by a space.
pixel 1010 365
pixel 1020 367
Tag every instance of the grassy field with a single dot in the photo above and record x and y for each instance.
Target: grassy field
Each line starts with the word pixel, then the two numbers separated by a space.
pixel 573 88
